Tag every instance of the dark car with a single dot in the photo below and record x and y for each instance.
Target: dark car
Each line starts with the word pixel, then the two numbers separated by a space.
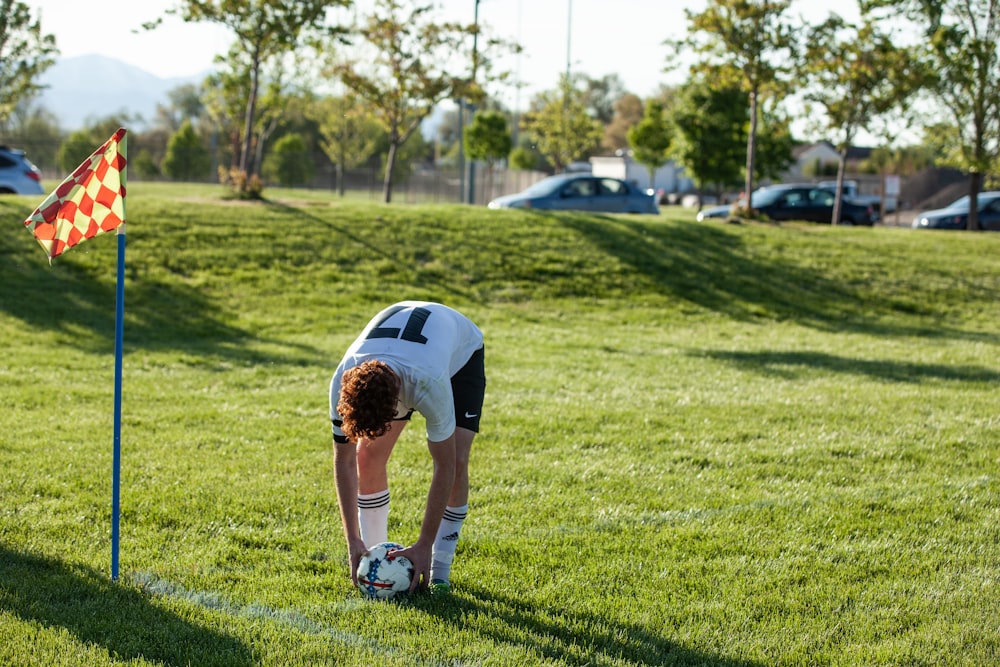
pixel 581 192
pixel 812 203
pixel 17 175
pixel 956 214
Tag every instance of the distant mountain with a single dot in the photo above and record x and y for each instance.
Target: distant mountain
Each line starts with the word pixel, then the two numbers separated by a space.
pixel 94 86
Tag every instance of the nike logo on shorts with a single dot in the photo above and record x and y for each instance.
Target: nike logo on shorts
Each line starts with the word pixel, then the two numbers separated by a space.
pixel 468 416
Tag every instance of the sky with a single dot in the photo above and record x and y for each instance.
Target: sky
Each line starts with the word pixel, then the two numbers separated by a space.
pixel 592 37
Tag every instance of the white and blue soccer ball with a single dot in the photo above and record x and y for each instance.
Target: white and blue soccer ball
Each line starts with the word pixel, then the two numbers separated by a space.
pixel 381 575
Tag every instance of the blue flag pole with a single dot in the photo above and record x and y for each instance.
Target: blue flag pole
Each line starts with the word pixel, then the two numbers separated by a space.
pixel 117 462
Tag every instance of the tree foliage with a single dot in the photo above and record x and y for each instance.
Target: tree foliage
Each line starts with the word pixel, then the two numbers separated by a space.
pixel 710 140
pixel 187 159
pixel 289 162
pixel 650 139
pixel 349 133
pixel 962 38
pixel 265 31
pixel 855 74
pixel 406 72
pixel 487 137
pixel 561 127
pixel 628 110
pixel 24 54
pixel 748 43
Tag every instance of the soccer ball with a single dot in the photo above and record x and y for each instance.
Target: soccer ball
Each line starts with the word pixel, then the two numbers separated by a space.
pixel 381 575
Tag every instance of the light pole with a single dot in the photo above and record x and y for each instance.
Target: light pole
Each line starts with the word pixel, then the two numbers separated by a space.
pixel 470 165
pixel 569 33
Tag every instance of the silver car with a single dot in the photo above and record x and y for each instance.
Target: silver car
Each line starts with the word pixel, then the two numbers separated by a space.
pixel 581 192
pixel 17 175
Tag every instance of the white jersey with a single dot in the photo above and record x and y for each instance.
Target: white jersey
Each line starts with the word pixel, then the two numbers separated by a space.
pixel 424 344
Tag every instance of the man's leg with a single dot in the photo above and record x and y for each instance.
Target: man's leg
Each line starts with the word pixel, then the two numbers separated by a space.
pixel 373 484
pixel 454 514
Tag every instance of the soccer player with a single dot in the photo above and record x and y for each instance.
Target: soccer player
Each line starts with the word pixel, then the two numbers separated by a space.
pixel 413 355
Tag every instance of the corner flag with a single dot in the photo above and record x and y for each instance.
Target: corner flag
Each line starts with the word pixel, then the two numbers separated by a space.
pixel 89 202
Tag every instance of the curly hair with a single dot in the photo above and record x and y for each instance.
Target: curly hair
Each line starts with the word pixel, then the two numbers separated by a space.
pixel 368 396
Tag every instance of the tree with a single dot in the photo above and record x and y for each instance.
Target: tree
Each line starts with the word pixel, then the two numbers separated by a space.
pixel 774 142
pixel 80 144
pixel 629 110
pixel 962 38
pixel 405 72
pixel 650 138
pixel 562 128
pixel 289 162
pixel 600 96
pixel 710 137
pixel 349 134
pixel 523 157
pixel 265 30
pixel 488 139
pixel 24 54
pixel 748 43
pixel 183 103
pixel 186 159
pixel 855 73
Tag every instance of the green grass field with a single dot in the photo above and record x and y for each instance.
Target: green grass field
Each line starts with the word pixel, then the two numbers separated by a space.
pixel 703 444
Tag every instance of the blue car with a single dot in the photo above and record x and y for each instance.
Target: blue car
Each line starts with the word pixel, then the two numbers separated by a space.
pixel 956 214
pixel 581 192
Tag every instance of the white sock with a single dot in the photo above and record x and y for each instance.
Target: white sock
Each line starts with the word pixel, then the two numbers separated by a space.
pixel 446 541
pixel 373 515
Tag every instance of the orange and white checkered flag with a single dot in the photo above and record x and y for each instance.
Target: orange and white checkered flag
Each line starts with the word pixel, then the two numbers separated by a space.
pixel 89 202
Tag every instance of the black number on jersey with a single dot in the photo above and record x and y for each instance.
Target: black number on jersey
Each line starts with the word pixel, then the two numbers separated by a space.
pixel 411 332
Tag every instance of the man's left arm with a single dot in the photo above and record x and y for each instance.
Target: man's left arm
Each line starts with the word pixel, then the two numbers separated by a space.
pixel 442 480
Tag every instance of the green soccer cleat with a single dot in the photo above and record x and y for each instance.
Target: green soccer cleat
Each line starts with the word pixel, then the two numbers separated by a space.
pixel 440 586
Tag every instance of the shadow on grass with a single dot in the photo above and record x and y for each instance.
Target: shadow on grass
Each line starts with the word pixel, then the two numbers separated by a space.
pixel 103 613
pixel 791 364
pixel 565 635
pixel 71 298
pixel 711 267
pixel 422 279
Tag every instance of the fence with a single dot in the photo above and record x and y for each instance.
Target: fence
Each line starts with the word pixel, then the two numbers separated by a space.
pixel 426 183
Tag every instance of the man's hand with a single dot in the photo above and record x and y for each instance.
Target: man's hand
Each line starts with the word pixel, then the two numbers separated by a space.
pixel 355 550
pixel 420 556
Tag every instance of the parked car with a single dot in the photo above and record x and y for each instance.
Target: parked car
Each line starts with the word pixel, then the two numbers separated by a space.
pixel 581 192
pixel 800 202
pixel 17 175
pixel 956 214
pixel 853 190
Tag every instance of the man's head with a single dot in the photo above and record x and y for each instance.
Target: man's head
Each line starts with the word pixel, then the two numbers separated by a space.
pixel 368 396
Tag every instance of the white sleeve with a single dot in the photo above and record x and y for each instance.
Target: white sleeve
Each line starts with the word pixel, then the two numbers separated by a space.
pixel 438 407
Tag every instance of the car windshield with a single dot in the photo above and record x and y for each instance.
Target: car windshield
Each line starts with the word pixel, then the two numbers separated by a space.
pixel 764 197
pixel 545 186
pixel 962 203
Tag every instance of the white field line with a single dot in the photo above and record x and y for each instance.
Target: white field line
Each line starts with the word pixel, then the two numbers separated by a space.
pixel 291 618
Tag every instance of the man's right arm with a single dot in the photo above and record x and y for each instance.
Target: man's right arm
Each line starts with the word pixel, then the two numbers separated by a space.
pixel 345 469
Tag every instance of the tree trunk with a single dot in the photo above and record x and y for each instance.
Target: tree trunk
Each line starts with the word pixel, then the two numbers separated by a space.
pixel 838 194
pixel 390 162
pixel 751 148
pixel 246 164
pixel 340 172
pixel 975 185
